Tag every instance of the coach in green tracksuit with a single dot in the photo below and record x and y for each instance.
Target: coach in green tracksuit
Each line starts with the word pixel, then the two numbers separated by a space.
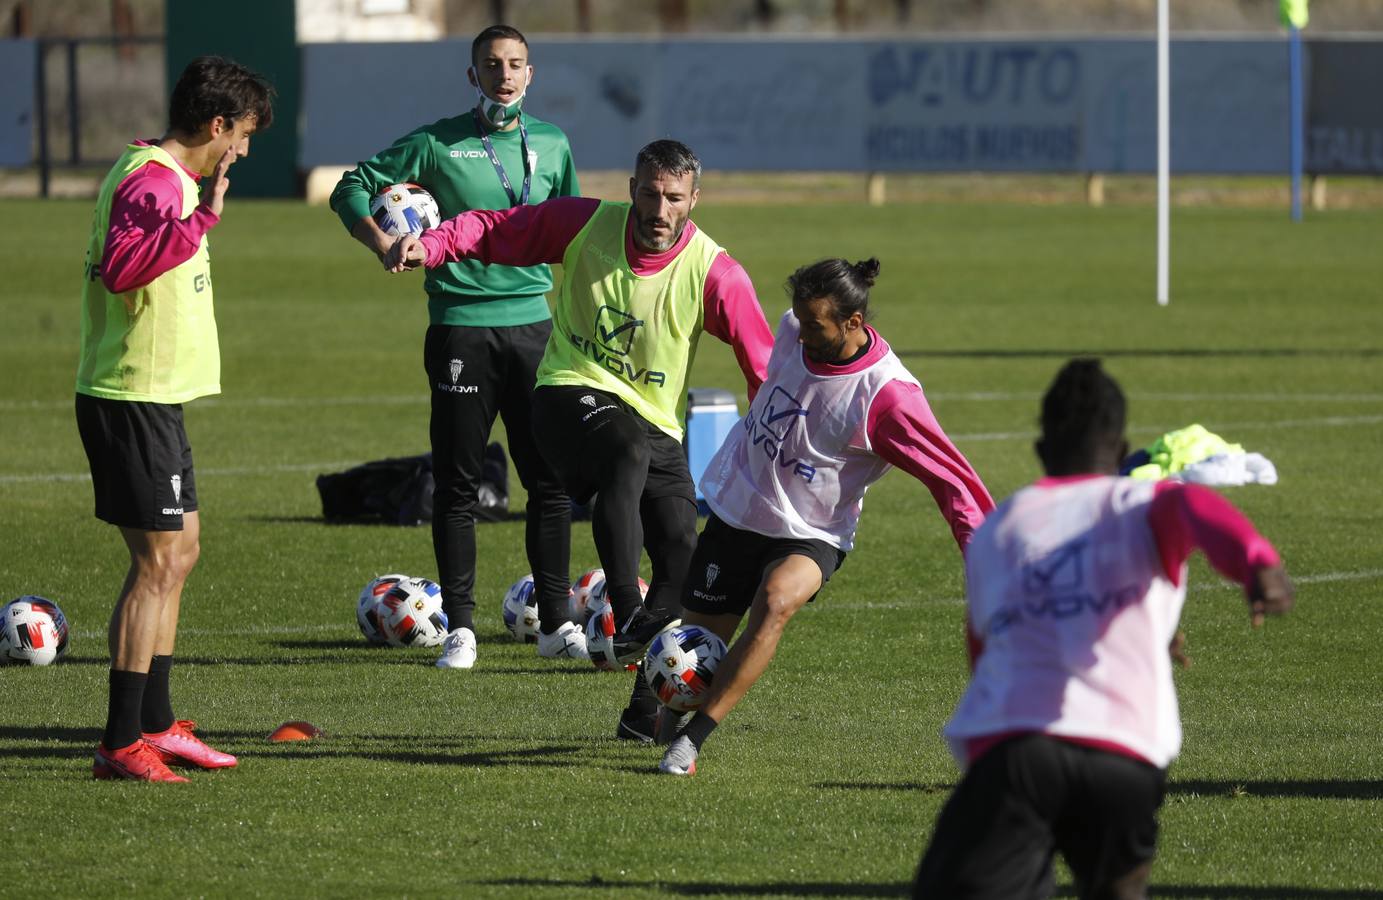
pixel 488 326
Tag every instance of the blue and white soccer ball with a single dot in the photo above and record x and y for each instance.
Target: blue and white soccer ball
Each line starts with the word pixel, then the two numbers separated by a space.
pixel 679 665
pixel 367 608
pixel 404 209
pixel 411 614
pixel 33 631
pixel 520 610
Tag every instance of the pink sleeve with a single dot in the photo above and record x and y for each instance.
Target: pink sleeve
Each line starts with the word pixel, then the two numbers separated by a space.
pixel 1186 516
pixel 518 236
pixel 733 314
pixel 903 431
pixel 146 236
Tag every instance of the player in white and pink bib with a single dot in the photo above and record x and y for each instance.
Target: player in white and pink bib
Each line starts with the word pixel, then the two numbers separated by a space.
pixel 836 411
pixel 1075 585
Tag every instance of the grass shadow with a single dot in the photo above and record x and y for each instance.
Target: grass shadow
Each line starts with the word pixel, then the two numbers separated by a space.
pixel 1325 789
pixel 935 788
pixel 1146 353
pixel 704 888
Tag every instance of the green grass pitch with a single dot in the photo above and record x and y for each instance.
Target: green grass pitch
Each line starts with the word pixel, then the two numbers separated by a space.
pixel 506 780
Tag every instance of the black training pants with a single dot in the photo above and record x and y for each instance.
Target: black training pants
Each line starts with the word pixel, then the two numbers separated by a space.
pixel 643 491
pixel 476 373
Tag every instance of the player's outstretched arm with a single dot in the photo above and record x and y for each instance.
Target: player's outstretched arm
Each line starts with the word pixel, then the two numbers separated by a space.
pixel 733 314
pixel 905 433
pixel 1184 517
pixel 1270 593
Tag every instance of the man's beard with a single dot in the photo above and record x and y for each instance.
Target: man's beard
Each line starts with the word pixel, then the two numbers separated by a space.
pixel 829 353
pixel 646 233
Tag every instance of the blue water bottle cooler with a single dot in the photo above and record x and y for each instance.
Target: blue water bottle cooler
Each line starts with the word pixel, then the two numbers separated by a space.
pixel 711 414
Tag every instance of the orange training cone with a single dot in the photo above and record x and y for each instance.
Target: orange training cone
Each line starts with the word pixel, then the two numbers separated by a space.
pixel 295 731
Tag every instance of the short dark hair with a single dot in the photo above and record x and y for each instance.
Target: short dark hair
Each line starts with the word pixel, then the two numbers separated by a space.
pixel 847 284
pixel 670 158
pixel 492 34
pixel 1083 409
pixel 214 86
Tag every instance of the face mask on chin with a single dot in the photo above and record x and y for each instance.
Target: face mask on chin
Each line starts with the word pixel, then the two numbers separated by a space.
pixel 500 114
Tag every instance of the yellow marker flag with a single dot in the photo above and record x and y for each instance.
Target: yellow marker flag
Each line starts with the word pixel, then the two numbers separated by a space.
pixel 1292 13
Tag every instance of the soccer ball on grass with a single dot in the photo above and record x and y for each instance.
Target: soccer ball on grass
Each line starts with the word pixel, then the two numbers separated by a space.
pixel 33 631
pixel 520 610
pixel 410 614
pixel 368 606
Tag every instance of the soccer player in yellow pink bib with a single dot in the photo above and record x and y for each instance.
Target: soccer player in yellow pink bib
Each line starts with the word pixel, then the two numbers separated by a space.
pixel 836 411
pixel 1075 585
pixel 149 345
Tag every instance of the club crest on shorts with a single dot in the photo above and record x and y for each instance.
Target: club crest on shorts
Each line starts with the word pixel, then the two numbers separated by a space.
pixel 712 571
pixel 589 400
pixel 176 482
pixel 455 367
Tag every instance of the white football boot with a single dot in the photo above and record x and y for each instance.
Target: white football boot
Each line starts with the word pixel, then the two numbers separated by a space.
pixel 680 758
pixel 458 650
pixel 567 642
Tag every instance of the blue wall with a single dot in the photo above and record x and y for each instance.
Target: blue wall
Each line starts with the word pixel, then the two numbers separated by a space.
pixel 993 105
pixel 18 61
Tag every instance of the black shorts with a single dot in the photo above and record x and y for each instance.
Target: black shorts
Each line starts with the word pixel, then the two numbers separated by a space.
pixel 141 463
pixel 729 564
pixel 1031 796
pixel 573 423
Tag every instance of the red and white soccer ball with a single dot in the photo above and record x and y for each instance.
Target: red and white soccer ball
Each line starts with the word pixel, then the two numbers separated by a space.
pixel 600 629
pixel 410 614
pixel 33 631
pixel 368 606
pixel 581 590
pixel 679 664
pixel 520 610
pixel 403 209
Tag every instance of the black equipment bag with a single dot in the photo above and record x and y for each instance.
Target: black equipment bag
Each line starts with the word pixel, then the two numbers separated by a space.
pixel 399 491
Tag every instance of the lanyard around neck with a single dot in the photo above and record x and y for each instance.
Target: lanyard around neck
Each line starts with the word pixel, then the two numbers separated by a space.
pixel 522 198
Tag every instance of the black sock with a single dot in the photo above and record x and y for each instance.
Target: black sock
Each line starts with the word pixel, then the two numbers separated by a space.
pixel 122 714
pixel 643 703
pixel 698 729
pixel 156 713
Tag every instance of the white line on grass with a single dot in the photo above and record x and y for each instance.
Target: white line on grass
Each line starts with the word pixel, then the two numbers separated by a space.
pixel 239 470
pixel 1322 422
pixel 976 396
pixel 240 402
pixel 1198 588
pixel 1209 396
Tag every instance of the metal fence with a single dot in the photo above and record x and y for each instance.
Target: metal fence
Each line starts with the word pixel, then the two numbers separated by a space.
pixel 92 96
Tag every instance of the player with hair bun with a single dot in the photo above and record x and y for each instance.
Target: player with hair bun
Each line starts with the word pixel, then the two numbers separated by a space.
pixel 836 411
pixel 1074 586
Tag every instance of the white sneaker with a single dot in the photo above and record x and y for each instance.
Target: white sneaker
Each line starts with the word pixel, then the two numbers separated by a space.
pixel 679 758
pixel 567 642
pixel 458 650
